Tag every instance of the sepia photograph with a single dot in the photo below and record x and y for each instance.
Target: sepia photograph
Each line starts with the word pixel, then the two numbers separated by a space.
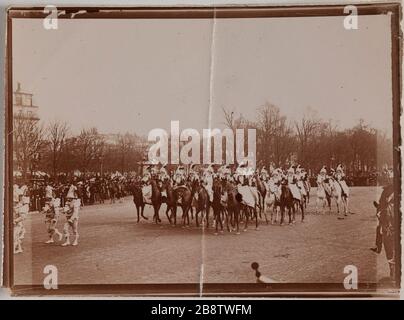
pixel 204 151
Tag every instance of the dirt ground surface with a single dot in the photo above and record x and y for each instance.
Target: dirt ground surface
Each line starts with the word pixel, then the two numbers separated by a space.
pixel 114 249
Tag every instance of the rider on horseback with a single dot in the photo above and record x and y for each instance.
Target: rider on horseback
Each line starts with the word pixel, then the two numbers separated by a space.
pixel 207 181
pixel 163 174
pixel 340 178
pixel 300 176
pixel 179 176
pixel 242 176
pixel 193 173
pixel 226 173
pixel 291 178
pixel 264 175
pixel 146 187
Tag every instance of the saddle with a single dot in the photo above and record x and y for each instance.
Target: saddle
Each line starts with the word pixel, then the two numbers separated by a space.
pixel 147 194
pixel 181 189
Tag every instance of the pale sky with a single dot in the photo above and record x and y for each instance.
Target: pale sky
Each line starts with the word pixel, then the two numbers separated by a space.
pixel 136 75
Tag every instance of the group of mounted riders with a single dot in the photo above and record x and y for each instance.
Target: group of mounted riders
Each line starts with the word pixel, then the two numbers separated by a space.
pixel 233 195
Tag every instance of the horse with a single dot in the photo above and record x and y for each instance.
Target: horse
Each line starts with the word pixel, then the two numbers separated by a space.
pixel 303 192
pixel 386 231
pixel 112 189
pixel 250 212
pixel 200 201
pixel 249 205
pixel 287 202
pixel 262 191
pixel 170 200
pixel 338 194
pixel 271 201
pixel 183 197
pixel 323 194
pixel 219 206
pixel 307 184
pixel 156 199
pixel 138 201
pixel 234 199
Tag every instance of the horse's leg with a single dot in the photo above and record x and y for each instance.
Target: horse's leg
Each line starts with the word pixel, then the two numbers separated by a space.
pixel 256 219
pixel 233 218
pixel 247 213
pixel 142 212
pixel 282 214
pixel 183 214
pixel 187 209
pixel 138 213
pixel 278 213
pixel 196 217
pixel 272 213
pixel 168 216
pixel 265 212
pixel 206 214
pixel 337 201
pixel 155 216
pixel 329 202
pixel 236 217
pixel 291 210
pixel 215 217
pixel 275 212
pixel 158 212
pixel 226 216
pixel 221 219
pixel 326 203
pixel 203 217
pixel 260 204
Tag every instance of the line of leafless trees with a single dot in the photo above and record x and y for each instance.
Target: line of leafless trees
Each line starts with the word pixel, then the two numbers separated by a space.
pixel 53 149
pixel 314 142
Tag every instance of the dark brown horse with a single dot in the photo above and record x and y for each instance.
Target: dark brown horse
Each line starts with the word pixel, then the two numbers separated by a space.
pixel 200 201
pixel 156 199
pixel 287 201
pixel 183 197
pixel 234 204
pixel 138 201
pixel 168 197
pixel 219 206
pixel 174 197
pixel 385 232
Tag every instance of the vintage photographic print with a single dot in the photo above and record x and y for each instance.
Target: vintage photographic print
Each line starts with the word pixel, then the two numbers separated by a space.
pixel 235 151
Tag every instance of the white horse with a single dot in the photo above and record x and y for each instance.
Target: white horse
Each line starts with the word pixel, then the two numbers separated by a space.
pixel 339 195
pixel 270 200
pixel 323 192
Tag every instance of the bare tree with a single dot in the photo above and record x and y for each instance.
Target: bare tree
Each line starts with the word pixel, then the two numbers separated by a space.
pixel 28 142
pixel 307 129
pixel 126 145
pixel 56 137
pixel 275 136
pixel 283 141
pixel 89 147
